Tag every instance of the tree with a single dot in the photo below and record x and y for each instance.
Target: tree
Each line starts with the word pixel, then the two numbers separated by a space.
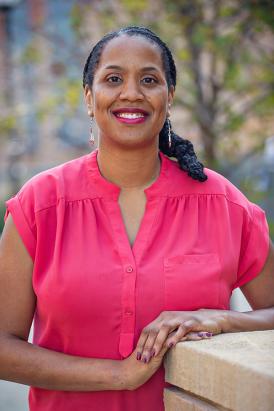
pixel 224 54
pixel 227 58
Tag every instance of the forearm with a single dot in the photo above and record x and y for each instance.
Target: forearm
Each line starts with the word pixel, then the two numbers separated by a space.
pixel 256 320
pixel 28 364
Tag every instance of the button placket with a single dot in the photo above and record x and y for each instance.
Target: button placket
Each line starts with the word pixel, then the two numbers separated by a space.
pixel 128 280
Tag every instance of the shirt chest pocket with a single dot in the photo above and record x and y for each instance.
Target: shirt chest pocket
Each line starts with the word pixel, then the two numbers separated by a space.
pixel 191 282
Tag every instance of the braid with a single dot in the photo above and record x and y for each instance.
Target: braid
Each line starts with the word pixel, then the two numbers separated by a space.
pixel 181 149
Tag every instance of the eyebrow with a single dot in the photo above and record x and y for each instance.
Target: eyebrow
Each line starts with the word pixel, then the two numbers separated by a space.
pixel 114 67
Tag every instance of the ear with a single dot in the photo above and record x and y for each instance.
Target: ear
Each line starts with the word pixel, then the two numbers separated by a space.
pixel 171 94
pixel 88 99
pixel 170 99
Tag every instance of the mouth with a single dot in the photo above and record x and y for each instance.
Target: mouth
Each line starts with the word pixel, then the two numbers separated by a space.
pixel 130 115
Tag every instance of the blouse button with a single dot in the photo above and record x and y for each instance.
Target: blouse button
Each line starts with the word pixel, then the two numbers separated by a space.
pixel 129 269
pixel 128 312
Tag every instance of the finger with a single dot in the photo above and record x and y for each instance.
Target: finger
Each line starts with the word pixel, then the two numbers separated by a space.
pixel 161 338
pixel 205 334
pixel 196 336
pixel 141 343
pixel 163 351
pixel 155 342
pixel 147 350
pixel 192 337
pixel 181 332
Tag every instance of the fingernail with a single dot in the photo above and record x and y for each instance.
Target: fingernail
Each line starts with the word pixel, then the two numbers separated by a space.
pixel 170 344
pixel 201 334
pixel 138 356
pixel 153 353
pixel 208 334
pixel 144 360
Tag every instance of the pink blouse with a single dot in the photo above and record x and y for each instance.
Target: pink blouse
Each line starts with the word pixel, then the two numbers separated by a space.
pixel 196 243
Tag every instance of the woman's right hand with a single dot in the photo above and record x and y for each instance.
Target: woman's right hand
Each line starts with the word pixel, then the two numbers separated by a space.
pixel 135 373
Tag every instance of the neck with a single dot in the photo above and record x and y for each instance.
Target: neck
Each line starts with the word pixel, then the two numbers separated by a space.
pixel 129 169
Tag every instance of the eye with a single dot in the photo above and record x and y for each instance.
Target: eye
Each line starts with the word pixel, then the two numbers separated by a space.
pixel 114 79
pixel 149 80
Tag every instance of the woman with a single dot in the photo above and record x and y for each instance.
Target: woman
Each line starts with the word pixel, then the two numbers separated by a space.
pixel 120 254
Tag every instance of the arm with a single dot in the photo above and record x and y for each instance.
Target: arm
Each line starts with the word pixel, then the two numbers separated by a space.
pixel 260 294
pixel 23 362
pixel 28 364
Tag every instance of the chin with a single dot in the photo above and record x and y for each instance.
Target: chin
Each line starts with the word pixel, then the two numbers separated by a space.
pixel 134 142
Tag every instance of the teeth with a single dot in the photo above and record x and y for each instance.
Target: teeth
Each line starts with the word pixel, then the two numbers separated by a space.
pixel 130 115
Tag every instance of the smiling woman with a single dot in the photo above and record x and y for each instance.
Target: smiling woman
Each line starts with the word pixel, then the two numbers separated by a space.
pixel 122 253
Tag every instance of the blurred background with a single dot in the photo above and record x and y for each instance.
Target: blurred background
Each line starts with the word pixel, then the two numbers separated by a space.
pixel 224 98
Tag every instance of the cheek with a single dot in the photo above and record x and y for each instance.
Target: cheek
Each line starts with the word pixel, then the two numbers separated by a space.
pixel 103 97
pixel 159 99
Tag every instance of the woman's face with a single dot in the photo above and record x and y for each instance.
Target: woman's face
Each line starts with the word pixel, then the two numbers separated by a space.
pixel 129 97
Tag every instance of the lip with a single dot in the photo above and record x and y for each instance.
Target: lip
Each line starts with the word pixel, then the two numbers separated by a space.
pixel 132 110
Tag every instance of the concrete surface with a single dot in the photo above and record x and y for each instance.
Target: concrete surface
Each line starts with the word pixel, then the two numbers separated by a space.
pixel 235 371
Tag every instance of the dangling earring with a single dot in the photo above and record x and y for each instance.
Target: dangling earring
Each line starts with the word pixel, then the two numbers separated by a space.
pixel 169 127
pixel 169 133
pixel 90 113
pixel 91 138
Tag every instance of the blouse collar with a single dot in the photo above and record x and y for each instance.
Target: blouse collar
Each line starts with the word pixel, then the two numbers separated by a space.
pixel 105 188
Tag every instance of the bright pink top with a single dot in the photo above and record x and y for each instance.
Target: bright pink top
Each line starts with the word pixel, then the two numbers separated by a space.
pixel 197 242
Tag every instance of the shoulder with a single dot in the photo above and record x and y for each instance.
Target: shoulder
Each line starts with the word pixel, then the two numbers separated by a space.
pixel 66 181
pixel 215 187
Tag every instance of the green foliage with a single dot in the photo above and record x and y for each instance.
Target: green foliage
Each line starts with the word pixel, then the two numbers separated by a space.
pixel 271 228
pixel 48 106
pixel 2 213
pixel 234 122
pixel 265 107
pixel 232 76
pixel 71 94
pixel 67 96
pixel 183 54
pixel 262 12
pixel 7 123
pixel 76 17
pixel 135 7
pixel 31 54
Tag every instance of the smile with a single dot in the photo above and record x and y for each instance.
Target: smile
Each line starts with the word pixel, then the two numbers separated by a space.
pixel 130 115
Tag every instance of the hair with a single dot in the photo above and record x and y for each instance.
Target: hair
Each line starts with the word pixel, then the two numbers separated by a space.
pixel 180 148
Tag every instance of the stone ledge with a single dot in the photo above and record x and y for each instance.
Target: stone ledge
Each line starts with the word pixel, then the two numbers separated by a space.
pixel 234 371
pixel 177 400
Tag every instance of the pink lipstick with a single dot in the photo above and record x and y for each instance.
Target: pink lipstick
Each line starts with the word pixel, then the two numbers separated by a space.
pixel 130 115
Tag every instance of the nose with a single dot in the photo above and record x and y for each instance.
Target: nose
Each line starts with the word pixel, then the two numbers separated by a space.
pixel 131 90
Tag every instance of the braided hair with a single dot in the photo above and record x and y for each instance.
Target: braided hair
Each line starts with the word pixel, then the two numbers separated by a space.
pixel 179 148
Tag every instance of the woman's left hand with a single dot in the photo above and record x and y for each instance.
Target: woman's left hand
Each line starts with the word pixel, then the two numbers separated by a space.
pixel 174 326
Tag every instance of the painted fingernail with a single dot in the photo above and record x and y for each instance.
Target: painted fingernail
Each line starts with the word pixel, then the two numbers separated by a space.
pixel 171 344
pixel 153 353
pixel 208 334
pixel 144 360
pixel 201 334
pixel 138 356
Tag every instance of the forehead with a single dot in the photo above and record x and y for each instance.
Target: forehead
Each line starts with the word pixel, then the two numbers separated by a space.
pixel 131 50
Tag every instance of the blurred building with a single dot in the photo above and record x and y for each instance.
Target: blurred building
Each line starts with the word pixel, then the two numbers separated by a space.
pixel 42 110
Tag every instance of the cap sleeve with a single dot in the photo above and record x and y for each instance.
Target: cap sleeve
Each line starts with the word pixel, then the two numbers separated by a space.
pixel 22 209
pixel 255 245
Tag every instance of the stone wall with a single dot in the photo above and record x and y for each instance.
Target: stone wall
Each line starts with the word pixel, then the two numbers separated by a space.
pixel 228 372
